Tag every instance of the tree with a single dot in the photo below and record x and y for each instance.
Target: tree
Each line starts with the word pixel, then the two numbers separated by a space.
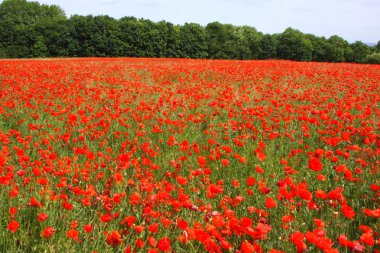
pixel 39 48
pixel 237 45
pixel 293 45
pixel 55 36
pixel 359 51
pixel 217 35
pixel 250 39
pixel 320 46
pixel 142 38
pixel 31 29
pixel 372 59
pixel 192 41
pixel 267 47
pixel 337 49
pixel 18 22
pixel 129 35
pixel 81 30
pixel 234 45
pixel 231 42
pixel 377 47
pixel 152 40
pixel 105 37
pixel 172 38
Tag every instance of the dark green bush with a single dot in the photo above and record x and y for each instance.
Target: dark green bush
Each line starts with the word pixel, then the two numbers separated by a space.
pixel 372 59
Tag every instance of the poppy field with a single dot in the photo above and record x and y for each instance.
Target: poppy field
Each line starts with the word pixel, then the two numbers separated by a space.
pixel 174 155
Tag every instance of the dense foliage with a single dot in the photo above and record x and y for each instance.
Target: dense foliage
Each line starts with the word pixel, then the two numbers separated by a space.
pixel 29 29
pixel 178 155
pixel 373 58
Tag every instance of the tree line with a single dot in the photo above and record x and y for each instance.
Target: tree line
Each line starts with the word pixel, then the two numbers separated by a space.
pixel 29 29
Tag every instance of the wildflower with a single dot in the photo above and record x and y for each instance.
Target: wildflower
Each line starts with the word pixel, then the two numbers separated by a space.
pixel 42 216
pixel 13 226
pixel 315 164
pixel 48 232
pixel 87 228
pixel 164 244
pixel 114 238
pixel 270 203
pixel 73 234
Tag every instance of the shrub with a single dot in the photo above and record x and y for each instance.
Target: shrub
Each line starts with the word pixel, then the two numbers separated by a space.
pixel 372 59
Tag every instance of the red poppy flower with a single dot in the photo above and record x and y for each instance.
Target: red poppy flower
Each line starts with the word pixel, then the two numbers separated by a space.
pixel 140 243
pixel 182 224
pixel 202 161
pixel 129 220
pixel 367 239
pixel 105 218
pixel 42 217
pixel 225 162
pixel 12 210
pixel 34 202
pixel 164 244
pixel 154 228
pixel 13 226
pixel 348 212
pixel 315 164
pixel 139 228
pixel 251 181
pixel 287 218
pixel 73 234
pixel 114 238
pixel 247 247
pixel 270 203
pixel 152 241
pixel 48 232
pixel 87 228
pixel 135 198
pixel 297 238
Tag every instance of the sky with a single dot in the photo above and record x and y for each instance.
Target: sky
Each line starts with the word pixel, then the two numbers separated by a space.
pixel 350 19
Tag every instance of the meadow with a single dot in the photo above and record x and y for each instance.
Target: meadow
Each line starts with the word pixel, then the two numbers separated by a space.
pixel 174 155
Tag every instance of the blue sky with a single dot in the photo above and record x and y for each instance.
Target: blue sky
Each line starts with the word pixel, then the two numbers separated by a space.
pixel 351 19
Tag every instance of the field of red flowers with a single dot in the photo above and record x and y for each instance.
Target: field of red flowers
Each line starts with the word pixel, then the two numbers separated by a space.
pixel 165 155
